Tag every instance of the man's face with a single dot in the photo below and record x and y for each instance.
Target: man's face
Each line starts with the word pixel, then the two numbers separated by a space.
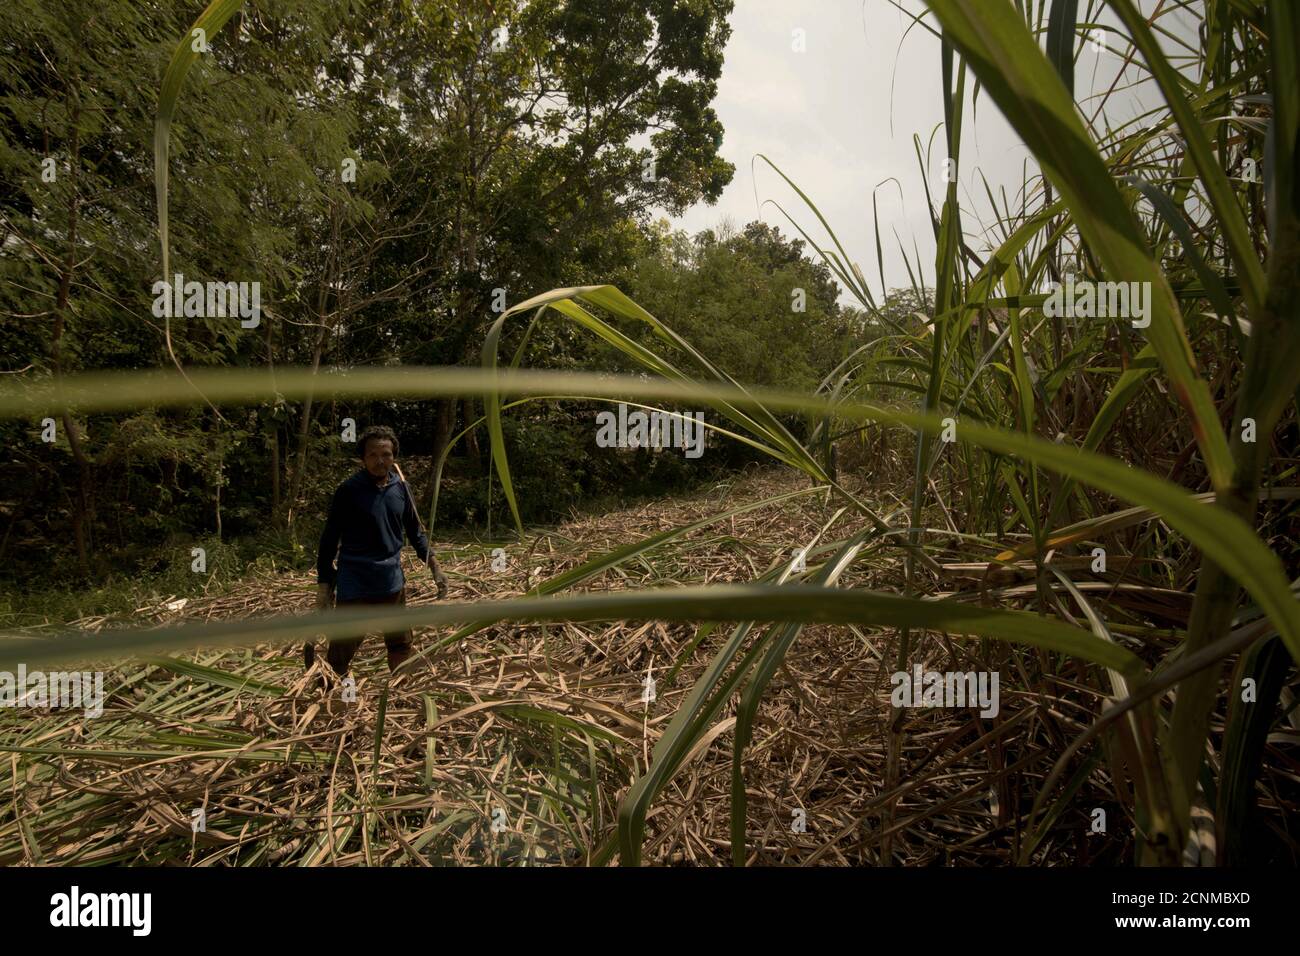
pixel 379 458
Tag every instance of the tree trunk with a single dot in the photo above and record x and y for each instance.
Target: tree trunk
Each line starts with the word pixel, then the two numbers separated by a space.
pixel 81 513
pixel 443 422
pixel 276 504
pixel 469 414
pixel 304 424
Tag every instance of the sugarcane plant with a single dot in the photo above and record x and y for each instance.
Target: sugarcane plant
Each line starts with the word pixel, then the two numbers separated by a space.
pixel 1055 423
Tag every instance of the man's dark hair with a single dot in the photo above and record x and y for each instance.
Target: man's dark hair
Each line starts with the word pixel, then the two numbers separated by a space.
pixel 377 433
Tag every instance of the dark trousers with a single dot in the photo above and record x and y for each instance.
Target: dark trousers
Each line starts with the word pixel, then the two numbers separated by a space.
pixel 339 653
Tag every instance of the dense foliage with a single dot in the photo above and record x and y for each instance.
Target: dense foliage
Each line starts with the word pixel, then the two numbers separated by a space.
pixel 391 176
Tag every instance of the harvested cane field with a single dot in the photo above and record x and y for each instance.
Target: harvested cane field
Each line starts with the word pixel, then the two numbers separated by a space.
pixel 544 727
pixel 838 538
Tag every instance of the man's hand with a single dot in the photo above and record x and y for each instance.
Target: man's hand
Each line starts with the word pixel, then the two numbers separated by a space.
pixel 324 595
pixel 439 578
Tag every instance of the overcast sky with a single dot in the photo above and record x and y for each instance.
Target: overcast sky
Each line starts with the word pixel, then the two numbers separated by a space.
pixel 840 118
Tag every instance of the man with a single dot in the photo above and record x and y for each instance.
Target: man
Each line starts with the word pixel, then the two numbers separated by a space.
pixel 368 517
